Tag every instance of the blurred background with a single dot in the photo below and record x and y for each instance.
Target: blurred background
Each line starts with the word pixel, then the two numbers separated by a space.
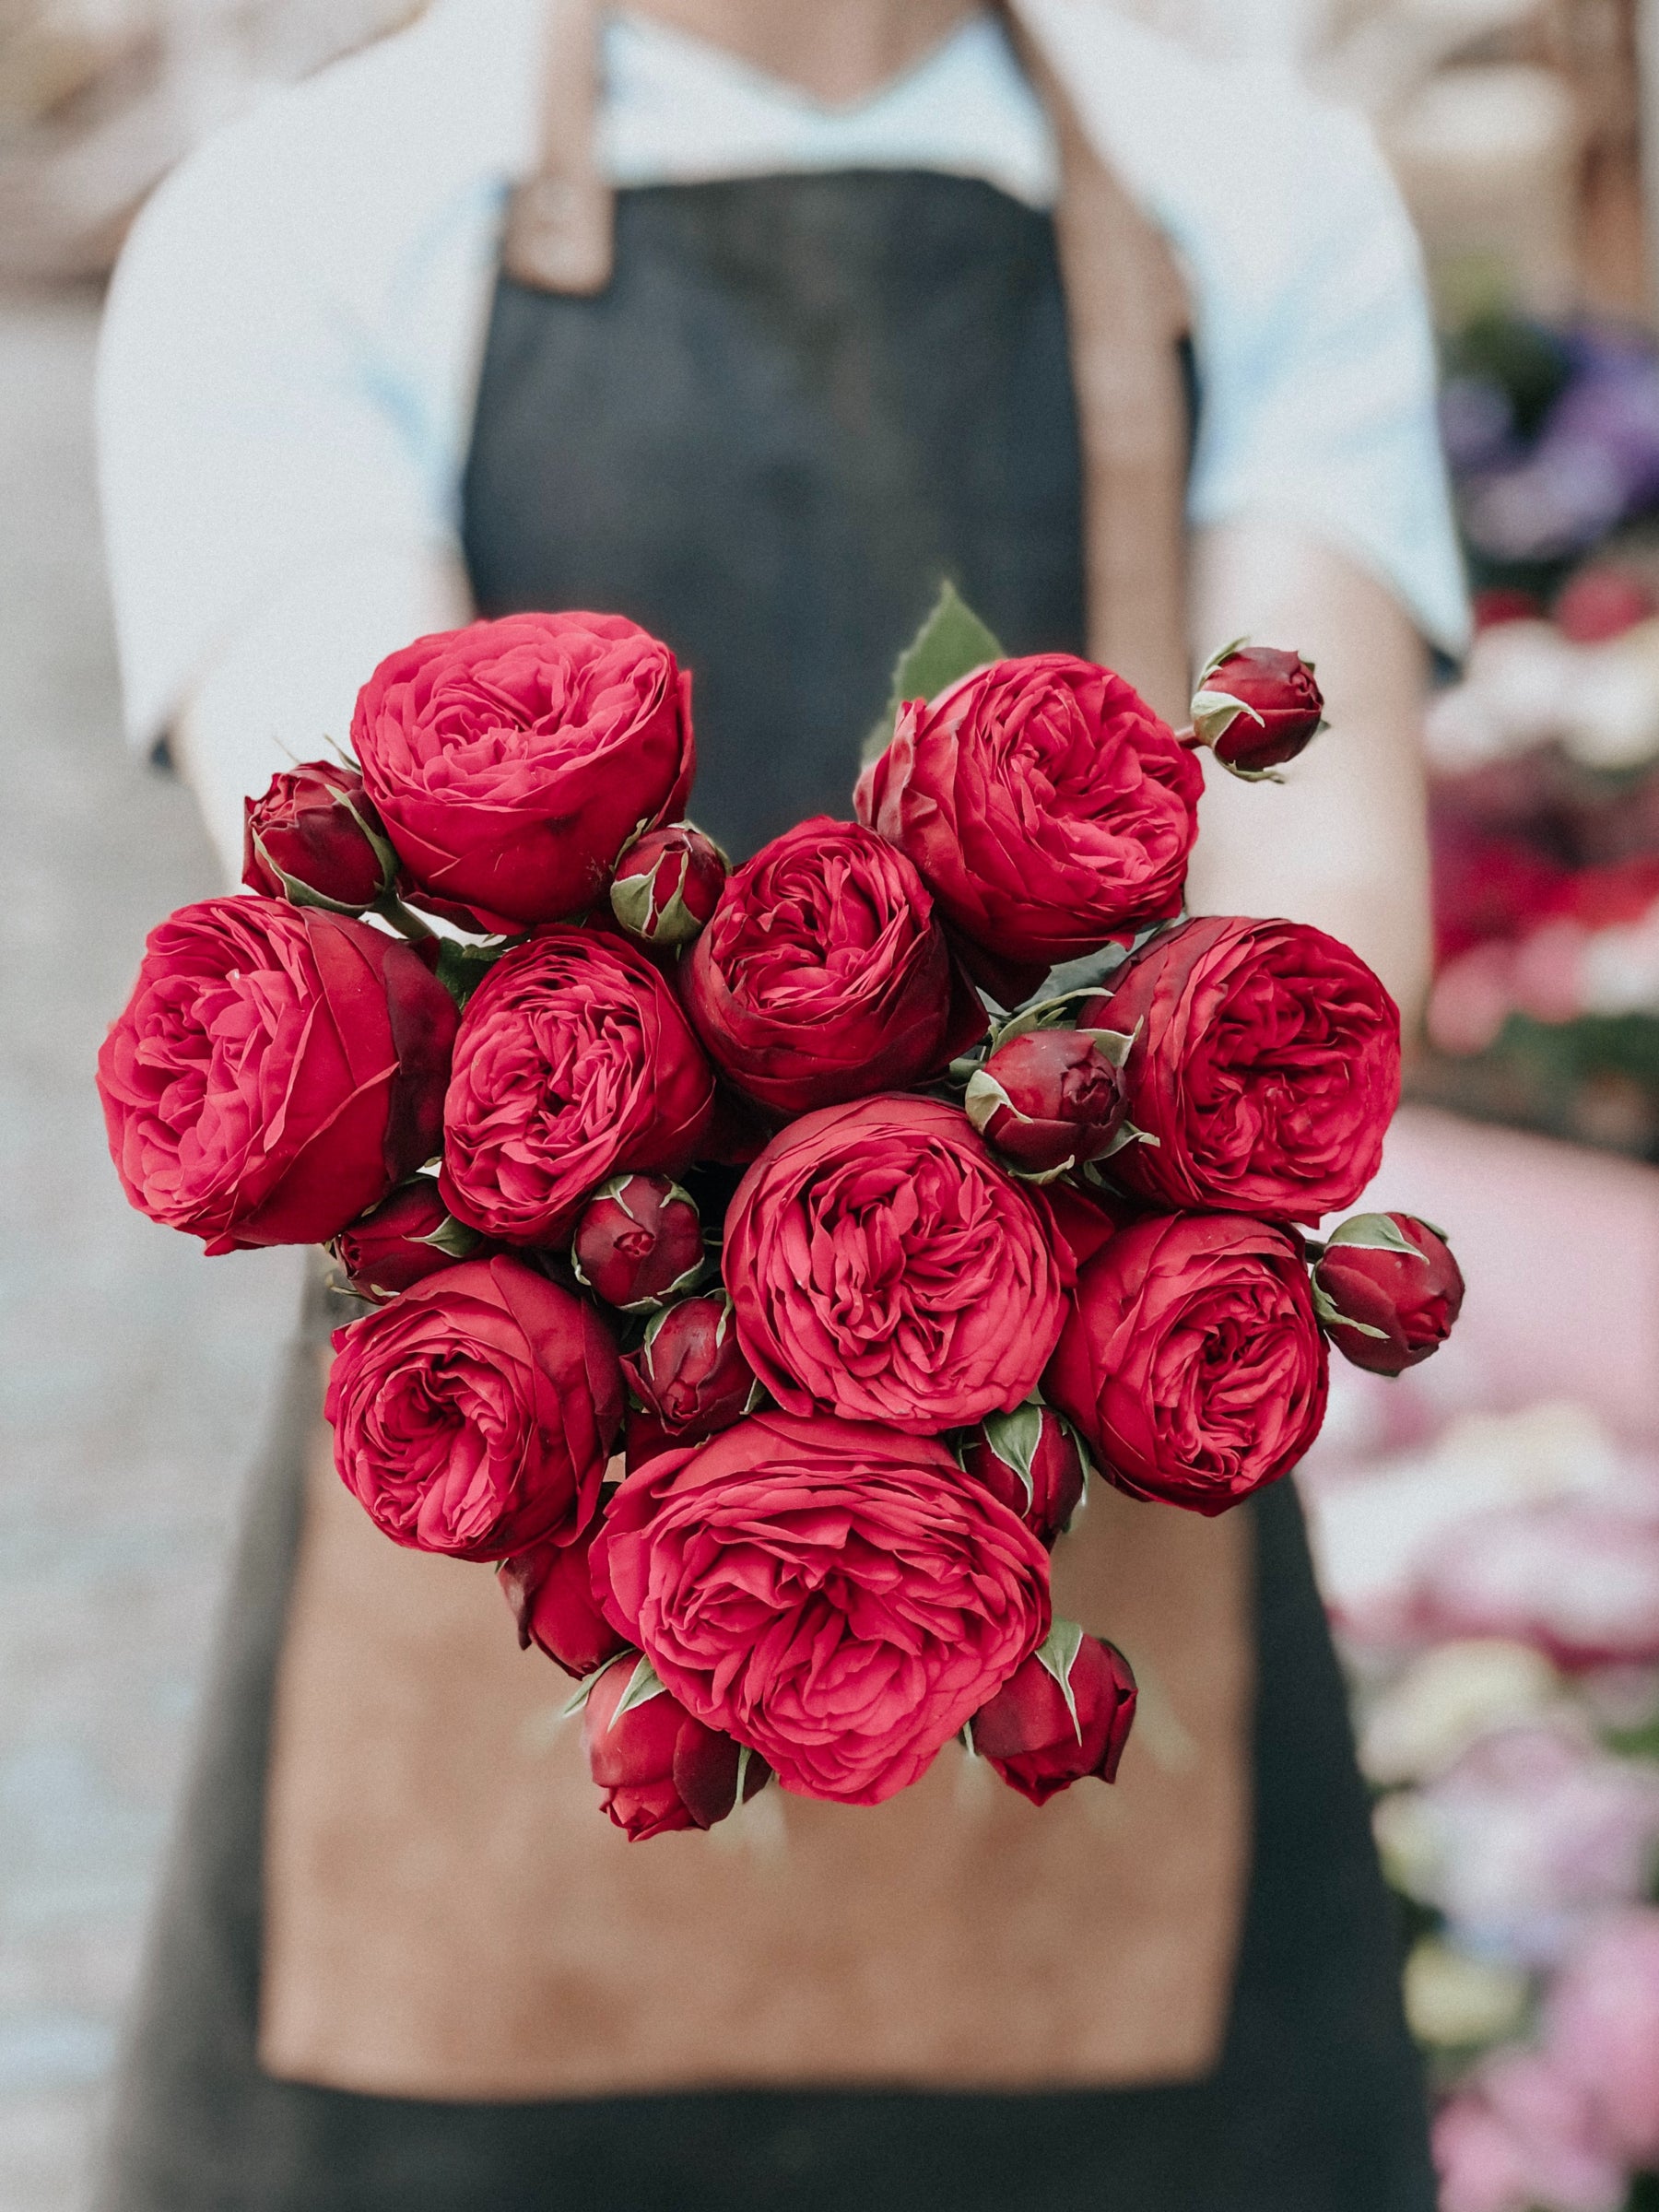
pixel 1488 1529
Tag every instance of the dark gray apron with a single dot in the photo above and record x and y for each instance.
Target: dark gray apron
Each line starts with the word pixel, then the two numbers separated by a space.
pixel 801 401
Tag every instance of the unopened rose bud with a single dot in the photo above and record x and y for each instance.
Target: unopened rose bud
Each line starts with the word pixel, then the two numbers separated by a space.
pixel 551 1594
pixel 315 840
pixel 1048 1101
pixel 1032 1461
pixel 1064 1714
pixel 659 1768
pixel 666 884
pixel 637 1243
pixel 1256 708
pixel 690 1372
pixel 407 1236
pixel 1388 1291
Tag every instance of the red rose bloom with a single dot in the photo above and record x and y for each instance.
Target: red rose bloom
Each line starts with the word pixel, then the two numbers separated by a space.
pixel 511 761
pixel 275 1071
pixel 551 1594
pixel 407 1238
pixel 1045 804
pixel 1066 1713
pixel 475 1414
pixel 1388 1292
pixel 313 838
pixel 1267 1067
pixel 574 1063
pixel 637 1243
pixel 833 1593
pixel 824 974
pixel 658 1768
pixel 1192 1361
pixel 884 1267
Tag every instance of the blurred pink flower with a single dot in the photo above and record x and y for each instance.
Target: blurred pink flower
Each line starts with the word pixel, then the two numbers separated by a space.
pixel 1522 2136
pixel 1578 1577
pixel 1531 1832
pixel 1602 2028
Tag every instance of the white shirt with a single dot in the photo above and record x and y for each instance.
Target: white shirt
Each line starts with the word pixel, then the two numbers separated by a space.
pixel 293 335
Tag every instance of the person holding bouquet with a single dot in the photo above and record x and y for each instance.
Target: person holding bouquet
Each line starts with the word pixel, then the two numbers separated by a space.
pixel 750 322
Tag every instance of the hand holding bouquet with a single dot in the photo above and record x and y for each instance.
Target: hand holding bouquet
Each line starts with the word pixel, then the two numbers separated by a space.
pixel 794 1184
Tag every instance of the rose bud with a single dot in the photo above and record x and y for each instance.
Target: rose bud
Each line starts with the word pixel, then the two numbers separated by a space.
pixel 659 1768
pixel 1256 708
pixel 408 1236
pixel 1064 1714
pixel 667 882
pixel 690 1373
pixel 1032 1460
pixel 315 839
pixel 1048 1101
pixel 551 1592
pixel 639 1242
pixel 1388 1291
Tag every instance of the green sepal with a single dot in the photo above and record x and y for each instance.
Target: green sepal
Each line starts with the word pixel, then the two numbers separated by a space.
pixel 1057 1656
pixel 644 1684
pixel 950 644
pixel 1331 1316
pixel 584 1689
pixel 1376 1232
pixel 1014 1438
pixel 455 1238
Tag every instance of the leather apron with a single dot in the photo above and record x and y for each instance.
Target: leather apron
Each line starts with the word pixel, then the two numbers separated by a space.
pixel 448 1915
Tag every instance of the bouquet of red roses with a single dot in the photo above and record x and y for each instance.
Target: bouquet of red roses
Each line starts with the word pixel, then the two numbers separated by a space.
pixel 862 1196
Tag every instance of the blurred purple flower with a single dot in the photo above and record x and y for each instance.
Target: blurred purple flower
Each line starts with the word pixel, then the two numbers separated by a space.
pixel 1523 2136
pixel 1602 2028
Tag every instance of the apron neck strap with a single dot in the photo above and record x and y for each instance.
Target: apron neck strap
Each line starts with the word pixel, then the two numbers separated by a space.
pixel 1125 308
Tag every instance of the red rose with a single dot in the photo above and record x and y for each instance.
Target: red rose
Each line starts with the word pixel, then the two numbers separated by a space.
pixel 1267 1068
pixel 574 1063
pixel 666 884
pixel 475 1414
pixel 1388 1292
pixel 824 974
pixel 1045 804
pixel 1066 1713
pixel 659 1768
pixel 275 1071
pixel 1256 708
pixel 1192 1360
pixel 407 1238
pixel 551 1594
pixel 314 839
pixel 690 1373
pixel 1048 1101
pixel 1032 1461
pixel 884 1267
pixel 830 1592
pixel 639 1242
pixel 511 761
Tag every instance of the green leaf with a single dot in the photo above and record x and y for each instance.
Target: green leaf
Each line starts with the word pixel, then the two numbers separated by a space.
pixel 1058 1656
pixel 949 643
pixel 462 968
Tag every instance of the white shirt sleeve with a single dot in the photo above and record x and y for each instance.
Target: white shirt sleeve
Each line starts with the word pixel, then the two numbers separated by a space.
pixel 278 487
pixel 1315 355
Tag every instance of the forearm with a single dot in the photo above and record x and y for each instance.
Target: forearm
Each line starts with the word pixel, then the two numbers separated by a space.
pixel 1343 842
